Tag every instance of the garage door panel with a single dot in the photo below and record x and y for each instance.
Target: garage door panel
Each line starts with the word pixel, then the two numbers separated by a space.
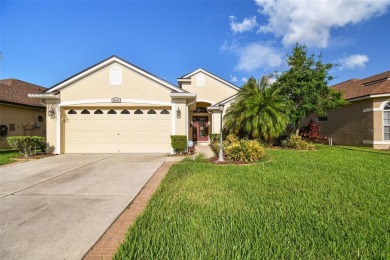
pixel 113 133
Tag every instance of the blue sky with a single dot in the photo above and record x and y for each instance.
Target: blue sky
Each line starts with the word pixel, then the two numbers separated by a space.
pixel 45 42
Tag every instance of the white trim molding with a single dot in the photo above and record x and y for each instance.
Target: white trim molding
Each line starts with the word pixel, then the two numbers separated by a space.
pixel 371 110
pixel 108 100
pixel 380 108
pixel 43 96
pixel 58 129
pixel 173 118
pixel 368 97
pixel 375 142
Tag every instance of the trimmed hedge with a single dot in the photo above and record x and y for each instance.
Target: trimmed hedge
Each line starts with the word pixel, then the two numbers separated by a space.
pixel 27 145
pixel 179 143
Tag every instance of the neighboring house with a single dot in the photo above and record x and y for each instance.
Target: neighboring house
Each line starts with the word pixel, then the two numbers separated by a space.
pixel 19 114
pixel 366 120
pixel 117 107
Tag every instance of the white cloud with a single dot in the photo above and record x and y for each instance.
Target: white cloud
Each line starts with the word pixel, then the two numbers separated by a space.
pixel 310 22
pixel 229 46
pixel 353 62
pixel 233 78
pixel 246 25
pixel 244 80
pixel 255 56
pixel 271 81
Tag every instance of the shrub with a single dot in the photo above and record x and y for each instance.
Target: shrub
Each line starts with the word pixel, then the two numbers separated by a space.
pixel 311 132
pixel 296 142
pixel 179 143
pixel 241 150
pixel 214 138
pixel 244 151
pixel 26 145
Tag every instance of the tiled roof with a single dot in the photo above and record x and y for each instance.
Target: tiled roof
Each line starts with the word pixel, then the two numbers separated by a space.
pixel 374 85
pixel 16 92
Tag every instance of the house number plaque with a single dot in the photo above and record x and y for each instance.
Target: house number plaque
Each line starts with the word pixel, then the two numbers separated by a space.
pixel 115 100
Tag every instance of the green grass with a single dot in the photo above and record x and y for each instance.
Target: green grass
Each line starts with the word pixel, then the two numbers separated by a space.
pixel 328 204
pixel 7 156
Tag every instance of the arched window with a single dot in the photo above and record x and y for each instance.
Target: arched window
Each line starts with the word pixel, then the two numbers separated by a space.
pixel 138 112
pixel 85 112
pixel 386 122
pixel 72 112
pixel 125 111
pixel 200 110
pixel 98 112
pixel 166 112
pixel 151 111
pixel 111 111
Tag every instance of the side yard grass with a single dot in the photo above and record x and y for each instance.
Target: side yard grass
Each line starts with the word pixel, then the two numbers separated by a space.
pixel 7 156
pixel 328 204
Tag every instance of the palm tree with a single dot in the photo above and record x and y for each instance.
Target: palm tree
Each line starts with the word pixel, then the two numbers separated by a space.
pixel 258 111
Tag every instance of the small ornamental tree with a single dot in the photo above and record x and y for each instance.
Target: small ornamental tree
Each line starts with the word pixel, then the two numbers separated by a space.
pixel 305 85
pixel 311 131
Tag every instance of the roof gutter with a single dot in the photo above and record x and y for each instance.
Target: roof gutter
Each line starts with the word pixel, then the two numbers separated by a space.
pixel 368 97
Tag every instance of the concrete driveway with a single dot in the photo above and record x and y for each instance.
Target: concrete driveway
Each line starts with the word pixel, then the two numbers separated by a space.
pixel 58 207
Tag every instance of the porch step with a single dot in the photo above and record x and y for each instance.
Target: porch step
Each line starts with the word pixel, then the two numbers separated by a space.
pixel 202 143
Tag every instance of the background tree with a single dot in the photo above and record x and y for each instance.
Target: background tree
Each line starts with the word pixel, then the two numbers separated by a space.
pixel 305 84
pixel 258 111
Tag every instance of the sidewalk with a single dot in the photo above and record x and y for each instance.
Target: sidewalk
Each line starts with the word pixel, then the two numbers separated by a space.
pixel 205 149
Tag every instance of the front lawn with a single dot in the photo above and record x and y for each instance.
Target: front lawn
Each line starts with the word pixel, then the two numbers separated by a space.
pixel 333 203
pixel 7 156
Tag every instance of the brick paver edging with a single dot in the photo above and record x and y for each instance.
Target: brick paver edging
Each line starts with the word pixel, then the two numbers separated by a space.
pixel 107 245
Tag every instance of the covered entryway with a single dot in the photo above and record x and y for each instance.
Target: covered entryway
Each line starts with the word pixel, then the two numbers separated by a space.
pixel 200 122
pixel 200 128
pixel 117 130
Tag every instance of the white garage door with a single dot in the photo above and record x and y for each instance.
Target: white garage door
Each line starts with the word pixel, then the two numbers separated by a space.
pixel 117 130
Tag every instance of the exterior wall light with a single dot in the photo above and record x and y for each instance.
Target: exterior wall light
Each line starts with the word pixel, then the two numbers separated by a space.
pixel 51 112
pixel 178 113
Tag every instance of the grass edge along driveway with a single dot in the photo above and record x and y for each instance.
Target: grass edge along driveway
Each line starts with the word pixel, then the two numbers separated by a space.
pixel 7 156
pixel 332 203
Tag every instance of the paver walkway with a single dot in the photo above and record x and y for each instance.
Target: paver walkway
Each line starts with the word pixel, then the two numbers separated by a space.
pixel 205 149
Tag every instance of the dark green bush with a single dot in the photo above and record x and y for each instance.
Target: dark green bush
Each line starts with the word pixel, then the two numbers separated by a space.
pixel 179 143
pixel 214 138
pixel 26 145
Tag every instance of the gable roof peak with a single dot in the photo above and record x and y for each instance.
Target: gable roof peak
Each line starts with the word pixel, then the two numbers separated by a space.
pixel 105 63
pixel 186 76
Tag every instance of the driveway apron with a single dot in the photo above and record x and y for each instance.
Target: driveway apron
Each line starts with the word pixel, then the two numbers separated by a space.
pixel 58 207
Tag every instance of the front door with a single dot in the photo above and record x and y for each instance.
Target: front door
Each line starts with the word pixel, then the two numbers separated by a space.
pixel 200 129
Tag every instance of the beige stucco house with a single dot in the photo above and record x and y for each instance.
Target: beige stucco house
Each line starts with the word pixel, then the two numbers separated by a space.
pixel 19 114
pixel 117 107
pixel 365 121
